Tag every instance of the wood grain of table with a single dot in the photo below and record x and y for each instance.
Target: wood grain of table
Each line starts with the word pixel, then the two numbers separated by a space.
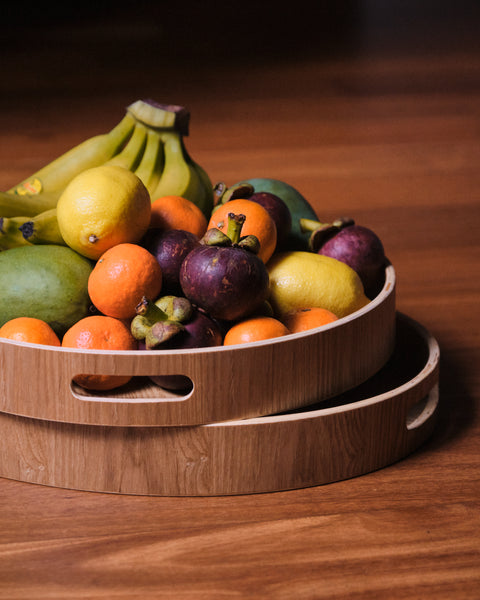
pixel 390 138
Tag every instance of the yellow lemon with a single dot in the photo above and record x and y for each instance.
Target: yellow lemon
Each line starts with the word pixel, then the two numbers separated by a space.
pixel 306 280
pixel 102 207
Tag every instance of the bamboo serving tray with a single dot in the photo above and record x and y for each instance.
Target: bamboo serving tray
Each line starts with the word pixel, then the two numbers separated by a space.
pixel 229 383
pixel 367 428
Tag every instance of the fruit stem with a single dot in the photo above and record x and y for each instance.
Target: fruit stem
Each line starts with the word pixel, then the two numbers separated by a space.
pixel 150 311
pixel 234 228
pixel 309 225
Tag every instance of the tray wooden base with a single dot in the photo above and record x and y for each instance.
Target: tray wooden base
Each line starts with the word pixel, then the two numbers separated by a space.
pixel 376 424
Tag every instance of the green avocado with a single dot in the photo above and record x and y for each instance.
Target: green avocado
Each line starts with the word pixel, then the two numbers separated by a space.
pixel 48 282
pixel 299 207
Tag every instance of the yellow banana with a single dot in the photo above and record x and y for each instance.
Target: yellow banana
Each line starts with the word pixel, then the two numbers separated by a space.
pixel 13 205
pixel 40 191
pixel 43 229
pixel 150 168
pixel 94 151
pixel 179 178
pixel 205 200
pixel 129 157
pixel 10 233
pixel 181 175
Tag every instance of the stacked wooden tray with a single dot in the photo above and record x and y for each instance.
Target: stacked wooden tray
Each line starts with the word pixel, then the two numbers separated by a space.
pixel 303 410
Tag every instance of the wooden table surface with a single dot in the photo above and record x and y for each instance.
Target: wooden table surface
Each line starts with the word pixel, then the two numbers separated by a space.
pixel 386 133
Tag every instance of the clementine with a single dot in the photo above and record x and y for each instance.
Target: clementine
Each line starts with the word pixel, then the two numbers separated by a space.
pixel 303 319
pixel 99 332
pixel 176 212
pixel 121 277
pixel 254 329
pixel 30 330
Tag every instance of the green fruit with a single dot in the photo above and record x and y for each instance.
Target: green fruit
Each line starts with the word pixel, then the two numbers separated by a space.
pixel 48 282
pixel 299 208
pixel 308 280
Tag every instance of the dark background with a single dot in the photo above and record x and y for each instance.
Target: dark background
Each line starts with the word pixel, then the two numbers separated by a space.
pixel 166 50
pixel 219 32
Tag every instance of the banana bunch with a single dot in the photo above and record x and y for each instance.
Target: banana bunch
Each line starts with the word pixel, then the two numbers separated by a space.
pixel 148 141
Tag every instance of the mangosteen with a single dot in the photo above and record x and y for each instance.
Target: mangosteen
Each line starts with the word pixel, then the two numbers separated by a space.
pixel 224 276
pixel 170 247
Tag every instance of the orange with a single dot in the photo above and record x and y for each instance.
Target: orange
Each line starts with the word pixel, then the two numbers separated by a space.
pixel 31 330
pixel 176 212
pixel 254 330
pixel 99 332
pixel 121 277
pixel 257 222
pixel 303 319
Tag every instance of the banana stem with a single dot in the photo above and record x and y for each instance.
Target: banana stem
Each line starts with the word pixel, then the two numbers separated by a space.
pixel 161 116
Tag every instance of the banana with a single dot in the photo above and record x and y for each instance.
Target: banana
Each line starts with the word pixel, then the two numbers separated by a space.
pixel 205 201
pixel 150 168
pixel 43 229
pixel 129 157
pixel 178 178
pixel 55 176
pixel 40 191
pixel 13 205
pixel 10 234
pixel 182 176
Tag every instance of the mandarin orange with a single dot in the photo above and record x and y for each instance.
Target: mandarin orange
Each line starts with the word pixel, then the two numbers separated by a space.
pixel 176 212
pixel 121 277
pixel 308 318
pixel 99 332
pixel 30 330
pixel 254 329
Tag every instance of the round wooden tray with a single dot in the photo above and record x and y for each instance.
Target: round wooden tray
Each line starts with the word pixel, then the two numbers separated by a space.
pixel 233 382
pixel 376 424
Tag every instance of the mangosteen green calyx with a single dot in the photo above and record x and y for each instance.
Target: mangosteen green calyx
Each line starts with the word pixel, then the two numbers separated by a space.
pixel 224 276
pixel 154 325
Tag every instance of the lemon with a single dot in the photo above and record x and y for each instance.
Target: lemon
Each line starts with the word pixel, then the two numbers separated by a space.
pixel 301 279
pixel 102 207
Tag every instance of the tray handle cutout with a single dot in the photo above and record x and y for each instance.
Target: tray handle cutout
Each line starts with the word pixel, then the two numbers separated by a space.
pixel 420 412
pixel 154 389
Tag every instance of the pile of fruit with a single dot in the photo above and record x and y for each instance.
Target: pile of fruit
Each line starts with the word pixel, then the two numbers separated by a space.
pixel 124 243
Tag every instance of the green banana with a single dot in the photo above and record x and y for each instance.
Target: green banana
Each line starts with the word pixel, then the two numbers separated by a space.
pixel 151 165
pixel 129 157
pixel 10 233
pixel 43 229
pixel 96 150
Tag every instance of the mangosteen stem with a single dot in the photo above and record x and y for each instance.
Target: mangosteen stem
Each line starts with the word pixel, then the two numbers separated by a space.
pixel 150 311
pixel 234 227
pixel 308 225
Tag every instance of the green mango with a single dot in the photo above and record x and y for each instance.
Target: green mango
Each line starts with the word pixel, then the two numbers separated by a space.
pixel 48 282
pixel 299 208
